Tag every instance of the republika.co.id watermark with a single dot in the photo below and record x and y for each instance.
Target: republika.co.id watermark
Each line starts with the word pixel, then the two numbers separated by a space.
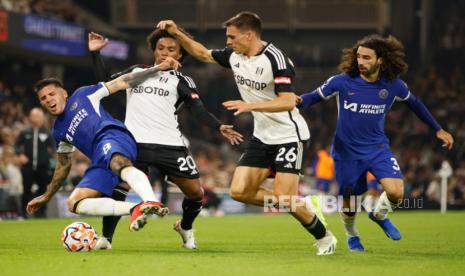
pixel 331 204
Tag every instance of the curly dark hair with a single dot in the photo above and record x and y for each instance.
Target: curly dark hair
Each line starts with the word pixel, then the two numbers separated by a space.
pixel 389 49
pixel 157 34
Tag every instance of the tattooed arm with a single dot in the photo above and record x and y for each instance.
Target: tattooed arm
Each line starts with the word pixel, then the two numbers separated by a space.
pixel 134 78
pixel 61 172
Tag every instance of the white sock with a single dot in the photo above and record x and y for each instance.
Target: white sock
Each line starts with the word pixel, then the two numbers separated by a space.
pixel 103 206
pixel 139 182
pixel 368 203
pixel 383 206
pixel 349 224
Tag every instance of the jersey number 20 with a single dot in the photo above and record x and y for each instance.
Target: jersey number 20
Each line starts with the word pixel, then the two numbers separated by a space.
pixel 186 163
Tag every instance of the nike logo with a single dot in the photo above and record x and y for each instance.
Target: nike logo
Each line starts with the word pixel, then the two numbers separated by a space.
pixel 351 93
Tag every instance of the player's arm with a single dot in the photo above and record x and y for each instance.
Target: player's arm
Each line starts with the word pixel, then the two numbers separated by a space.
pixel 194 48
pixel 200 113
pixel 61 172
pixel 283 77
pixel 308 99
pixel 97 42
pixel 190 97
pixel 425 115
pixel 132 79
pixel 326 91
pixel 227 131
pixel 285 101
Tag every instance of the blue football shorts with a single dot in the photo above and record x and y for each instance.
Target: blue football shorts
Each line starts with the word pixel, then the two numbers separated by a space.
pixel 99 176
pixel 351 175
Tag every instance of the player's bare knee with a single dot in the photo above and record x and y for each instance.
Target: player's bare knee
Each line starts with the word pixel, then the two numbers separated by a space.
pixel 280 193
pixel 235 191
pixel 119 162
pixel 395 195
pixel 70 203
pixel 400 194
pixel 195 195
pixel 199 194
pixel 73 202
pixel 238 195
pixel 235 195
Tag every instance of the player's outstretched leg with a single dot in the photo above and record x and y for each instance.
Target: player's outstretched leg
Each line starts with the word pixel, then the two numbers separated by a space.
pixel 138 182
pixel 191 209
pixel 102 244
pixel 325 240
pixel 141 211
pixel 286 185
pixel 353 240
pixel 354 244
pixel 388 227
pixel 326 245
pixel 187 236
pixel 379 215
pixel 109 223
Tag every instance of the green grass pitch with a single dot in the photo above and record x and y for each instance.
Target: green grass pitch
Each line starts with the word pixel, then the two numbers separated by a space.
pixel 431 244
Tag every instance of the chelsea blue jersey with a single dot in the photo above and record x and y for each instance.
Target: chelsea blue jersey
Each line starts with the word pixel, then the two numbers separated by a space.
pixel 362 109
pixel 84 118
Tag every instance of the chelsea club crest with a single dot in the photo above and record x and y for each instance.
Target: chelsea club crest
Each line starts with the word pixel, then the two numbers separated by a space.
pixel 383 94
pixel 73 106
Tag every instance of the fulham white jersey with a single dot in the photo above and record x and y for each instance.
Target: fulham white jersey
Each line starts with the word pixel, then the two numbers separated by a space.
pixel 151 109
pixel 260 78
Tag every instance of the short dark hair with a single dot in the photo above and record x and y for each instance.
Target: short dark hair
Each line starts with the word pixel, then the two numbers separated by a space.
pixel 390 49
pixel 157 34
pixel 47 81
pixel 245 21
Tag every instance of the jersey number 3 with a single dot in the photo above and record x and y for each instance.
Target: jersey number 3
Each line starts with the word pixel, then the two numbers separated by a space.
pixel 395 165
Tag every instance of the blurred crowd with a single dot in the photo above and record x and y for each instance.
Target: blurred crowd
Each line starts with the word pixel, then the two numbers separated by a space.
pixel 449 36
pixel 55 9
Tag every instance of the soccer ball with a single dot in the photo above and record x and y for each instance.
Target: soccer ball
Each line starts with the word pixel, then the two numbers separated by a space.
pixel 79 236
